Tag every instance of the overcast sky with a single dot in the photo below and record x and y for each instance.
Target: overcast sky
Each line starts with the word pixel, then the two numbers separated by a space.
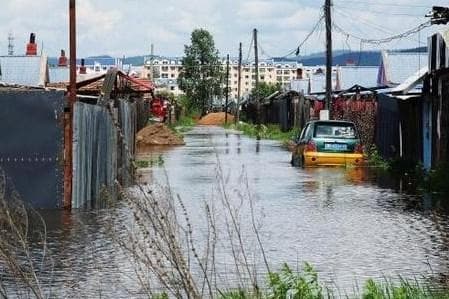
pixel 128 27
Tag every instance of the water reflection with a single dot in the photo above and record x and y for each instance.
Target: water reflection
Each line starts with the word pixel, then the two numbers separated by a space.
pixel 350 223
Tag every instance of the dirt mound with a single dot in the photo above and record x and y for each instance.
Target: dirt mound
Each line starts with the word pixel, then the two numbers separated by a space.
pixel 158 134
pixel 215 119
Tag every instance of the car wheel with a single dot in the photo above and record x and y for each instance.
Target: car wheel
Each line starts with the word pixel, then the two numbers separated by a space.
pixel 295 160
pixel 301 162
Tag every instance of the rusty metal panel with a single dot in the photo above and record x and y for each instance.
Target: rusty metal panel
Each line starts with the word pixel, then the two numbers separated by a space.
pixel 31 147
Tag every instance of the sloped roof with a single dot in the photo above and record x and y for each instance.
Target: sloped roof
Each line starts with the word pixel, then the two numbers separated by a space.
pixel 399 66
pixel 24 70
pixel 59 74
pixel 365 76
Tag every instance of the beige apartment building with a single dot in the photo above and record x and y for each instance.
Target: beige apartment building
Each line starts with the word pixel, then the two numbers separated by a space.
pixel 166 72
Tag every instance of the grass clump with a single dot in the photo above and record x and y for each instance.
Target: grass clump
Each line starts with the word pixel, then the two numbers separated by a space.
pixel 183 124
pixel 289 284
pixel 270 131
pixel 403 290
pixel 153 161
pixel 375 159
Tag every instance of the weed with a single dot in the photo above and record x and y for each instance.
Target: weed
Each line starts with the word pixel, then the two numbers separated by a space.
pixel 375 159
pixel 153 161
pixel 270 131
pixel 289 284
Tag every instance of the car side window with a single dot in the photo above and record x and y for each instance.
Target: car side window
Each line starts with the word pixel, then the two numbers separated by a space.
pixel 308 133
pixel 303 133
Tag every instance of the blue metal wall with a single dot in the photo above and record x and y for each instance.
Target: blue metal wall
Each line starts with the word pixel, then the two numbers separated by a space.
pixel 31 146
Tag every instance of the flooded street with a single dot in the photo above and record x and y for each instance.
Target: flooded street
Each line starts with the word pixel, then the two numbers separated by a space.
pixel 350 224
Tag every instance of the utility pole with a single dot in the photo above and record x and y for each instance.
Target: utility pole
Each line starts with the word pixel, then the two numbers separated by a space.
pixel 327 13
pixel 227 89
pixel 256 62
pixel 239 84
pixel 68 116
pixel 151 62
pixel 10 44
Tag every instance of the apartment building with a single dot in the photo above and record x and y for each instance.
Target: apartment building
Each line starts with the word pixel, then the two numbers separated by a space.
pixel 165 72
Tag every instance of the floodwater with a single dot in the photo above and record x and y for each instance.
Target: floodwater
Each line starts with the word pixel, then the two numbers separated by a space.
pixel 350 224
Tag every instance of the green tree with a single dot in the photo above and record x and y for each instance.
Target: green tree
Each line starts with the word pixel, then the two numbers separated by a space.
pixel 263 90
pixel 202 71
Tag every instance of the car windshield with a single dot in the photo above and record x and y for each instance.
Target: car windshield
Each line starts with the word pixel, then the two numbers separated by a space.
pixel 335 131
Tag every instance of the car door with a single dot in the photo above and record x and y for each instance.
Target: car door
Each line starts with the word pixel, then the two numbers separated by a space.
pixel 304 138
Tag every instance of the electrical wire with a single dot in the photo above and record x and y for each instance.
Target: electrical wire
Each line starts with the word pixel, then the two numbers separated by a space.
pixel 384 4
pixel 298 48
pixel 387 39
pixel 249 49
pixel 350 16
pixel 384 13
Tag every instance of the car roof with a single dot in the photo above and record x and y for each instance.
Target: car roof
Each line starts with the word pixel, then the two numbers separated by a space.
pixel 331 121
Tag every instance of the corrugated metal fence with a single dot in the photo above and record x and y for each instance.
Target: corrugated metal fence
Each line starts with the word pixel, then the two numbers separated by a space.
pixel 103 142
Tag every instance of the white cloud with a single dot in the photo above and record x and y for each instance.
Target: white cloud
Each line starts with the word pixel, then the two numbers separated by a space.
pixel 127 27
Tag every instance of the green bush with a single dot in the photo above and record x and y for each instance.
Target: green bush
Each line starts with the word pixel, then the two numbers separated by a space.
pixel 289 284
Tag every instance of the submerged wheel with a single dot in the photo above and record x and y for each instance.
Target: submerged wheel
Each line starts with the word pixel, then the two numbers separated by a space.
pixel 296 160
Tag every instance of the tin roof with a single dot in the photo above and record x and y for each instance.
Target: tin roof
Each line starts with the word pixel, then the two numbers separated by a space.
pixel 24 70
pixel 59 74
pixel 396 67
pixel 365 76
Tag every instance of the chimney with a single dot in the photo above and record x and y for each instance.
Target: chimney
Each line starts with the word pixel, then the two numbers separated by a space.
pixel 62 59
pixel 32 46
pixel 82 67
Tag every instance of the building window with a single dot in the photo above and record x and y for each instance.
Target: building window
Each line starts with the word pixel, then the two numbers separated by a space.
pixel 164 68
pixel 246 77
pixel 279 78
pixel 172 75
pixel 262 70
pixel 286 72
pixel 164 75
pixel 172 68
pixel 262 77
pixel 279 72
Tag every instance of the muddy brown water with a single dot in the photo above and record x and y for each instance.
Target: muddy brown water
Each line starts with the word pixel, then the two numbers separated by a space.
pixel 350 224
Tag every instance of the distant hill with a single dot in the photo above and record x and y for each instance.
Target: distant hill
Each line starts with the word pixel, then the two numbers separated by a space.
pixel 103 59
pixel 341 57
pixel 364 58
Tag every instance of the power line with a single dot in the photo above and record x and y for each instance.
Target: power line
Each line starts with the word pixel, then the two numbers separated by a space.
pixel 385 4
pixel 387 39
pixel 370 24
pixel 384 13
pixel 249 49
pixel 297 49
